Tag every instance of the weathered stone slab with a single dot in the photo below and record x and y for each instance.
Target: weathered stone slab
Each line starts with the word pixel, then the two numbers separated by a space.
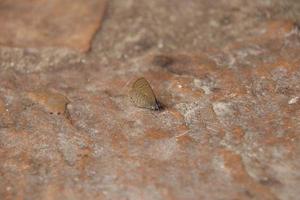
pixel 50 23
pixel 227 73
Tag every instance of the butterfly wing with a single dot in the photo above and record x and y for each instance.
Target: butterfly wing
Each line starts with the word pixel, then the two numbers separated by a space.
pixel 142 94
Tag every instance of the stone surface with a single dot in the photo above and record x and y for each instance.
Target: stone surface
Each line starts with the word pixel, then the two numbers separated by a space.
pixel 228 74
pixel 50 23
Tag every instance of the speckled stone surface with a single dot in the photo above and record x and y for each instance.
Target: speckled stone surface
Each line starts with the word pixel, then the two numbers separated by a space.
pixel 227 72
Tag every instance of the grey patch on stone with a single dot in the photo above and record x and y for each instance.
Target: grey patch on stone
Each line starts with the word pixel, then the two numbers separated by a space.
pixel 222 109
pixel 68 148
pixel 293 100
pixel 163 150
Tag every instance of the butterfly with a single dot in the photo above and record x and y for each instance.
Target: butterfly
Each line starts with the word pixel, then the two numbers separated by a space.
pixel 142 95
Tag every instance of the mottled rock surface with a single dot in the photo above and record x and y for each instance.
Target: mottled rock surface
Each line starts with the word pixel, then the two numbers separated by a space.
pixel 228 73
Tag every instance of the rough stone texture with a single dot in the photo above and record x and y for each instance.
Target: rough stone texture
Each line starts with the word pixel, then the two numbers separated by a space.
pixel 44 23
pixel 228 73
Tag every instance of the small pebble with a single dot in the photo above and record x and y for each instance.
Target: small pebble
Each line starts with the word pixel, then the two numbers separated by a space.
pixel 293 100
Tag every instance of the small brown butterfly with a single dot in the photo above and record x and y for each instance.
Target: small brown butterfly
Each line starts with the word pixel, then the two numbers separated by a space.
pixel 142 95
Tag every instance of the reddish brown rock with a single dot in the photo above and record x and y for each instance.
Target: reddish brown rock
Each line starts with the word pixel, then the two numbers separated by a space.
pixel 280 28
pixel 234 164
pixel 69 24
pixel 5 117
pixel 2 107
pixel 184 140
pixel 157 134
pixel 227 74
